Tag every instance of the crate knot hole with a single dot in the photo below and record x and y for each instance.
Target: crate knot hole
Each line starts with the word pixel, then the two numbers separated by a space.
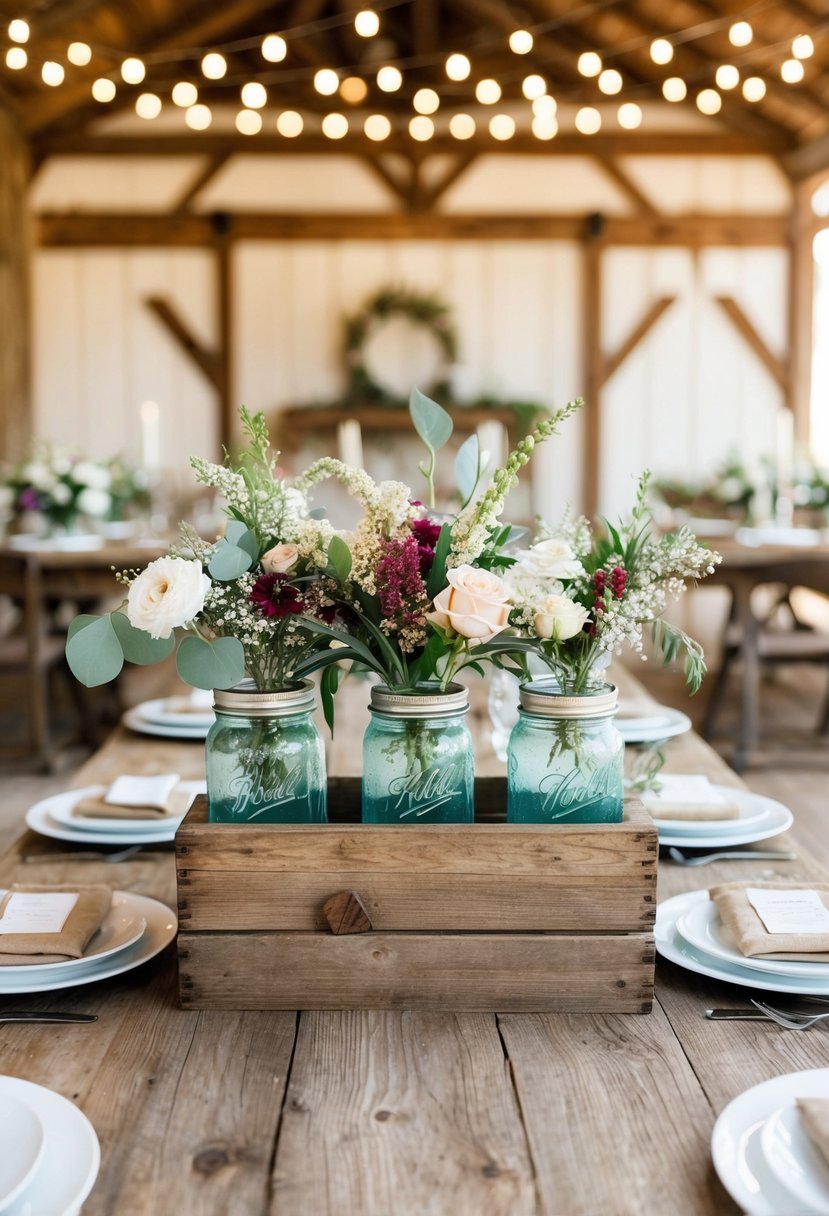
pixel 346 913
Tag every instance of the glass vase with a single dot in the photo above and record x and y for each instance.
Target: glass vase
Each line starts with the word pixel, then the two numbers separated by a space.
pixel 565 758
pixel 417 757
pixel 265 757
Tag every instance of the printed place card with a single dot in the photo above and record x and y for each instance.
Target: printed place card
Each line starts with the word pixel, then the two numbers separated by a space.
pixel 790 911
pixel 37 912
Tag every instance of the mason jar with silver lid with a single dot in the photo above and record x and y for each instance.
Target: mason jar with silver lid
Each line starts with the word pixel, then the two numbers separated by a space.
pixel 265 757
pixel 565 760
pixel 418 764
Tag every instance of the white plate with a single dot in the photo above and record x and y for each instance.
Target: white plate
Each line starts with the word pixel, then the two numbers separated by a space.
pixel 23 1141
pixel 672 946
pixel 653 728
pixel 160 931
pixel 61 810
pixel 134 720
pixel 71 1157
pixel 159 713
pixel 40 819
pixel 122 927
pixel 779 819
pixel 737 1149
pixel 702 928
pixel 753 809
pixel 794 1160
pixel 55 544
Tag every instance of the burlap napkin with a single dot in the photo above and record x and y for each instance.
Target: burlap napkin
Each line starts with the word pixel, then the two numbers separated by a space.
pixel 80 926
pixel 688 797
pixel 814 1115
pixel 748 933
pixel 137 798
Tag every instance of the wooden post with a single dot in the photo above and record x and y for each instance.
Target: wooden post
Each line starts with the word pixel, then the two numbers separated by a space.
pixel 592 357
pixel 801 305
pixel 15 244
pixel 224 289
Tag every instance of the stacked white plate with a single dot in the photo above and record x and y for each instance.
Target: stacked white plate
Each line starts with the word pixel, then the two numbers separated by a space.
pixel 50 1154
pixel 135 929
pixel 762 1154
pixel 760 817
pixel 55 817
pixel 689 932
pixel 166 719
pixel 662 724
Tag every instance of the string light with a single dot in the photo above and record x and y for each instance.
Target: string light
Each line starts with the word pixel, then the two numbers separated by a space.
pixel 501 127
pixel 377 127
pixel 389 79
pixel 16 58
pixel 79 53
pixel 533 86
pixel 198 117
pixel 610 81
pixel 52 73
pixel 588 120
pixel 792 71
pixel 589 63
pixel 335 126
pixel 214 66
pixel 103 90
pixel 254 95
pixel 754 88
pixel 629 115
pixel 709 102
pixel 133 70
pixel 421 128
pixel 674 89
pixel 184 94
pixel 727 76
pixel 366 23
pixel 740 33
pixel 458 67
pixel 426 101
pixel 248 122
pixel 462 126
pixel 545 106
pixel 148 105
pixel 544 126
pixel 662 51
pixel 19 30
pixel 521 42
pixel 326 82
pixel 487 92
pixel 274 48
pixel 290 124
pixel 803 47
pixel 354 90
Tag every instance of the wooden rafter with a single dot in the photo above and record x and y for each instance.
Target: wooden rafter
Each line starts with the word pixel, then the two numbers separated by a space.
pixel 773 364
pixel 206 360
pixel 610 364
pixel 205 175
pixel 627 185
pixel 450 176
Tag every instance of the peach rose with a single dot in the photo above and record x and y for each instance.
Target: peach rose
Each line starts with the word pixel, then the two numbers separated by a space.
pixel 280 559
pixel 475 604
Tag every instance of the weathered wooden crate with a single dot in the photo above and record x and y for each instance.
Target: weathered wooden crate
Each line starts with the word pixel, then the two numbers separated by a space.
pixel 487 916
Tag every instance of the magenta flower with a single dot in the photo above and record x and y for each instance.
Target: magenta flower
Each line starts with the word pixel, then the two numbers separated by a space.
pixel 274 596
pixel 426 534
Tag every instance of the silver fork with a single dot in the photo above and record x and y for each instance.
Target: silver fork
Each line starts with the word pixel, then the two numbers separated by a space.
pixel 121 855
pixel 789 1020
pixel 731 855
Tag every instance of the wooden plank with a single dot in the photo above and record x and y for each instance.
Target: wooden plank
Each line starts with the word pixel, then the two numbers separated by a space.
pixel 225 306
pixel 15 248
pixel 401 1113
pixel 775 366
pixel 460 971
pixel 612 363
pixel 801 310
pixel 207 361
pixel 592 364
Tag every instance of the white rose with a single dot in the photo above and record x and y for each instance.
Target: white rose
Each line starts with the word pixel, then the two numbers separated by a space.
pixel 95 502
pixel 551 559
pixel 61 494
pixel 38 474
pixel 169 593
pixel 280 559
pixel 559 618
pixel 475 604
pixel 85 473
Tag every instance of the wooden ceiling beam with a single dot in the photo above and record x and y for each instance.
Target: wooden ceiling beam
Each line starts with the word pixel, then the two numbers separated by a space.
pixel 214 165
pixel 807 160
pixel 425 15
pixel 627 185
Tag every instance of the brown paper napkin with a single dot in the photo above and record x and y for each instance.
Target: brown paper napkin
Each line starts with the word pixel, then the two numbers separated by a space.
pixel 814 1115
pixel 80 926
pixel 97 808
pixel 154 797
pixel 749 934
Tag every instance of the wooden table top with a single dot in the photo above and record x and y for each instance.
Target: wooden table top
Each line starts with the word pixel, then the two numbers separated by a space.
pixel 381 1113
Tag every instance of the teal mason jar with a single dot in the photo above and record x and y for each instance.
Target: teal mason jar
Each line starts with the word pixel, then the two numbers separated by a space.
pixel 417 757
pixel 265 758
pixel 565 757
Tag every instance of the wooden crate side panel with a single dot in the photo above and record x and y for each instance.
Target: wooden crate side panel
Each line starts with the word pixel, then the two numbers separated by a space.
pixel 410 902
pixel 469 972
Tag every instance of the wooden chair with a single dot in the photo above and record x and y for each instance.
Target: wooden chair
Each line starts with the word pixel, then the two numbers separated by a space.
pixel 33 651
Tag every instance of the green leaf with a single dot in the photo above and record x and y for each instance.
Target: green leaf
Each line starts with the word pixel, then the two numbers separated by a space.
pixel 430 420
pixel 137 646
pixel 318 513
pixel 233 530
pixel 329 684
pixel 249 543
pixel 468 468
pixel 339 558
pixel 219 664
pixel 93 651
pixel 437 575
pixel 229 562
pixel 514 533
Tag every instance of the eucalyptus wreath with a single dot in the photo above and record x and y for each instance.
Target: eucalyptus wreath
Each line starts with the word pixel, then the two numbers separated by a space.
pixel 421 309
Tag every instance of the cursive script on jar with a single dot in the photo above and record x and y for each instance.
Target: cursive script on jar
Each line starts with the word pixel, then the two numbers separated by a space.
pixel 248 794
pixel 564 793
pixel 419 793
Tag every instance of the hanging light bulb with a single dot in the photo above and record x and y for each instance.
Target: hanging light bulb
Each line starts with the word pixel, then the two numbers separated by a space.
pixel 248 122
pixel 533 86
pixel 198 117
pixel 184 94
pixel 803 47
pixel 16 58
pixel 289 123
pixel 462 126
pixel 754 88
pixel 521 42
pixel 214 65
pixel 19 30
pixel 488 92
pixel 545 126
pixel 366 23
pixel 148 105
pixel 389 79
pixel 421 128
pixel 426 101
pixel 326 82
pixel 274 48
pixel 610 81
pixel 133 70
pixel 588 120
pixel 674 89
pixel 501 126
pixel 354 90
pixel 589 64
pixel 335 126
pixel 629 116
pixel 377 127
pixel 254 95
pixel 103 90
pixel 792 71
pixel 727 76
pixel 662 51
pixel 79 53
pixel 709 102
pixel 458 67
pixel 52 73
pixel 740 33
pixel 545 106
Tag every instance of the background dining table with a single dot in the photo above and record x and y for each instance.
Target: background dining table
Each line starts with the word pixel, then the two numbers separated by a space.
pixel 390 1112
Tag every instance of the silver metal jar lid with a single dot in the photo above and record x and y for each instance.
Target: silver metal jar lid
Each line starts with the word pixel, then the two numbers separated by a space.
pixel 542 697
pixel 246 700
pixel 421 703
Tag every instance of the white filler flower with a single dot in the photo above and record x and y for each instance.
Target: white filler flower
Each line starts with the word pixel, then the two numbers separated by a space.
pixel 168 594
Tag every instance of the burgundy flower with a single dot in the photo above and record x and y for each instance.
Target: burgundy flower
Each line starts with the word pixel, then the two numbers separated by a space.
pixel 274 596
pixel 618 581
pixel 426 534
pixel 400 586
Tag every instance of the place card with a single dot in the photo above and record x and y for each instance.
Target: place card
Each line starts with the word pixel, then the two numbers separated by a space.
pixel 795 911
pixel 30 912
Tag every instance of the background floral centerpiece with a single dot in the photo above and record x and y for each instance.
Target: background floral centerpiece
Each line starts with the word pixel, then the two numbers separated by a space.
pixel 52 492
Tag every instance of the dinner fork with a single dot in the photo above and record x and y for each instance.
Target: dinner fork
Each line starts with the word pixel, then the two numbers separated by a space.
pixel 731 855
pixel 789 1020
pixel 121 855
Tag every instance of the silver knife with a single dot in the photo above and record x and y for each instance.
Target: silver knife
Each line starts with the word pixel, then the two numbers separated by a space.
pixel 69 1018
pixel 736 1015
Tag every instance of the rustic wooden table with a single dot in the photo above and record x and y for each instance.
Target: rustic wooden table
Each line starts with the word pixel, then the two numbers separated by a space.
pixel 388 1113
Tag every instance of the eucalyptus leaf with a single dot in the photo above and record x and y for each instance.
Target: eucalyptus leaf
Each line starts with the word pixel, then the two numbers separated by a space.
pixel 234 528
pixel 430 420
pixel 219 664
pixel 339 558
pixel 229 562
pixel 318 513
pixel 137 645
pixel 93 651
pixel 514 534
pixel 468 468
pixel 249 544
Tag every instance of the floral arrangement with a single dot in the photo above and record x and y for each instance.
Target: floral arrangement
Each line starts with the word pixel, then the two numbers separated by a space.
pixel 57 489
pixel 729 491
